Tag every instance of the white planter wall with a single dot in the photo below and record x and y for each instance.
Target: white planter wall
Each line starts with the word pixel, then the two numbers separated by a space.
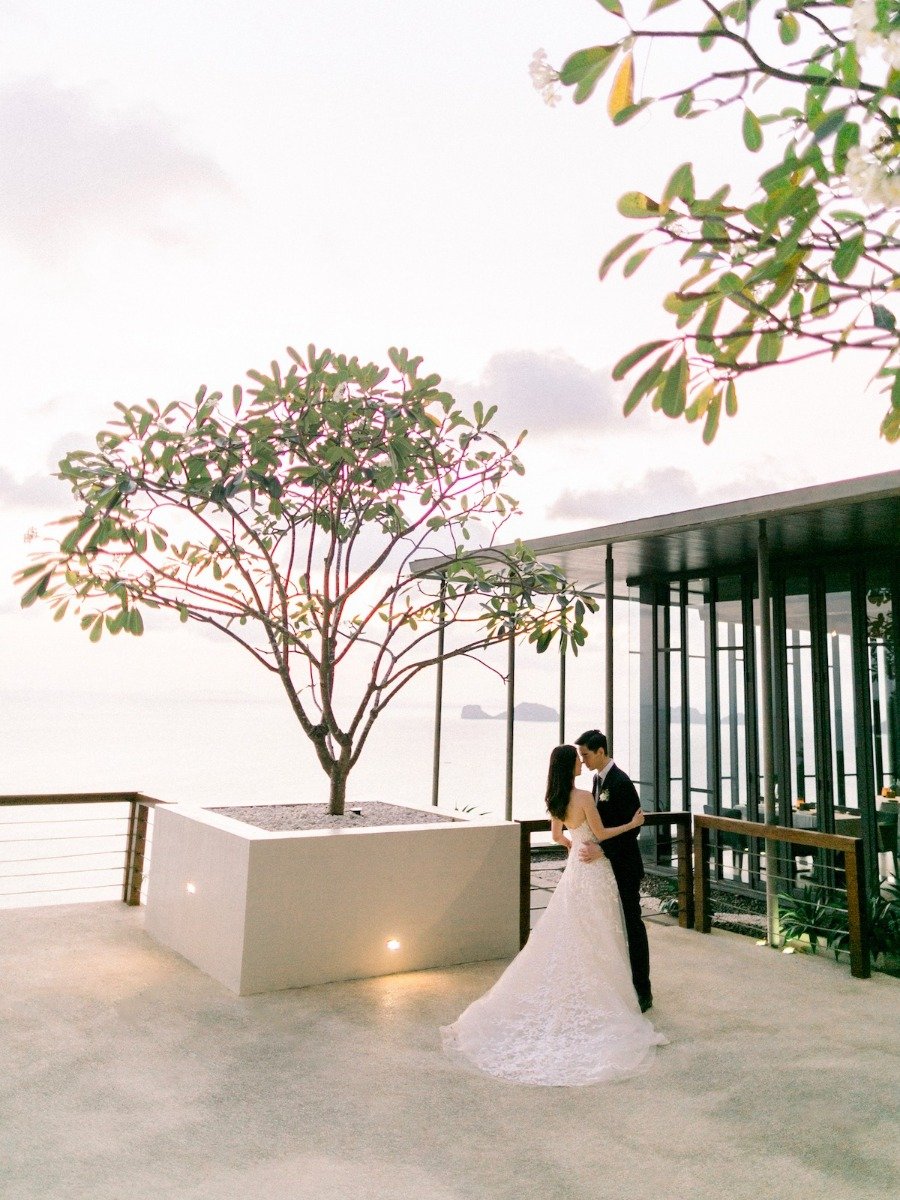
pixel 261 911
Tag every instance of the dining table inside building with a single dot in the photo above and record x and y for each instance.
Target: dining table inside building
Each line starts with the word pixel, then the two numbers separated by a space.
pixel 847 824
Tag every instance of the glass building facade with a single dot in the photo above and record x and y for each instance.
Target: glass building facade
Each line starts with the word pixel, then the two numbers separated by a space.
pixel 683 701
pixel 836 728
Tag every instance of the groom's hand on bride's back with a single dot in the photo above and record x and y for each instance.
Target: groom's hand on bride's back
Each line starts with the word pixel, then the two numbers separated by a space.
pixel 589 852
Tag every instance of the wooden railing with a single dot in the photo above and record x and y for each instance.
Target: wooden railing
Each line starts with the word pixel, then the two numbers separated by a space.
pixel 136 838
pixel 682 822
pixel 850 847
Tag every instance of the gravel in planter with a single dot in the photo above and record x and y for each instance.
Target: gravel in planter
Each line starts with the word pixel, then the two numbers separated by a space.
pixel 285 818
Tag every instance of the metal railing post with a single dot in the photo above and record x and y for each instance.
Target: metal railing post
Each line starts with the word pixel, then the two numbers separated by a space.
pixel 685 874
pixel 702 916
pixel 134 853
pixel 857 912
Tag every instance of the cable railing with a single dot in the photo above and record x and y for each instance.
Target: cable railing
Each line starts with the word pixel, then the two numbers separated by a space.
pixel 828 903
pixel 64 851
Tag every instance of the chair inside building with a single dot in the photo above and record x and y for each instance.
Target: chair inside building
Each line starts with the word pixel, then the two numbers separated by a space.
pixel 887 824
pixel 737 843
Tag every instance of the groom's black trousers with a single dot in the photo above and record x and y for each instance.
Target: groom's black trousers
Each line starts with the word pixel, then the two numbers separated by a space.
pixel 638 948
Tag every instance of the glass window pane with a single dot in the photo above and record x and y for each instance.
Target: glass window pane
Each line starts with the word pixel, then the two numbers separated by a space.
pixel 697 643
pixel 883 680
pixel 801 744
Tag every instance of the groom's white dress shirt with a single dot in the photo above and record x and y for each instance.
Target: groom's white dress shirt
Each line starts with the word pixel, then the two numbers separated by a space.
pixel 601 776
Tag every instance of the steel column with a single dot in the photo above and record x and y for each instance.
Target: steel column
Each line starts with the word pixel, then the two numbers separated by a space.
pixel 609 650
pixel 767 743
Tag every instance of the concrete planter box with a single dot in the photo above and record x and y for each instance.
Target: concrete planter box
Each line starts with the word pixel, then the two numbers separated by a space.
pixel 261 911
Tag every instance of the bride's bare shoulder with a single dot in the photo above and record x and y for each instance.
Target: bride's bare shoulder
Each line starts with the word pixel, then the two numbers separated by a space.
pixel 578 798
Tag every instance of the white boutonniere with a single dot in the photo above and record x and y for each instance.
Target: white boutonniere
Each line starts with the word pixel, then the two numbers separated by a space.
pixel 604 795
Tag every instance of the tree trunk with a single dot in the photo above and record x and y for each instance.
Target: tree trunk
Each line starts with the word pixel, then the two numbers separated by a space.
pixel 338 791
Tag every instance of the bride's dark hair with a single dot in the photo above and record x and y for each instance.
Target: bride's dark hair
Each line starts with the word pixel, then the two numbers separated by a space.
pixel 560 780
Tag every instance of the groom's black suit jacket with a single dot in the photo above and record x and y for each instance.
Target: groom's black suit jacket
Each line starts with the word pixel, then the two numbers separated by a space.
pixel 618 808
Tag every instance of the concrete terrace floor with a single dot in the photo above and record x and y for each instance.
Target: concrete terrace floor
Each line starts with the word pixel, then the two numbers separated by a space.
pixel 125 1073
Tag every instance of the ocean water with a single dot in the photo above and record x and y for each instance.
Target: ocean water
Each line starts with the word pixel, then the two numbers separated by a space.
pixel 213 751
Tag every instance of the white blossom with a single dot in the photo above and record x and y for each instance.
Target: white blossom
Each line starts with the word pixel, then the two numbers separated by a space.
pixel 867 37
pixel 544 78
pixel 871 180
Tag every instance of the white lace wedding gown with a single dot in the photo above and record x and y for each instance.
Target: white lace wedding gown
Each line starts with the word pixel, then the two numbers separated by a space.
pixel 564 1012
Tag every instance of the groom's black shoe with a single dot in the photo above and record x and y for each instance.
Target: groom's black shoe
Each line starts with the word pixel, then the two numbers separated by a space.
pixel 645 1001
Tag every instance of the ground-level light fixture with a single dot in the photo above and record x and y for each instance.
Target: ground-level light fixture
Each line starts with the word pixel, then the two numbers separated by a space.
pixel 393 944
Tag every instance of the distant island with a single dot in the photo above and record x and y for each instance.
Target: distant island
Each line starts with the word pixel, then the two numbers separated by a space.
pixel 525 711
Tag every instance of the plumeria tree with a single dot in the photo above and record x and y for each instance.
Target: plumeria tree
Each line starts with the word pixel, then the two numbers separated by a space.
pixel 807 265
pixel 288 518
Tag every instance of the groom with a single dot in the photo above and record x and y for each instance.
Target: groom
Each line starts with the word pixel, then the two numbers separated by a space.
pixel 617 802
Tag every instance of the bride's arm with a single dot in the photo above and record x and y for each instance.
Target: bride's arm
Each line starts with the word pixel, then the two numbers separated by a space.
pixel 599 830
pixel 557 832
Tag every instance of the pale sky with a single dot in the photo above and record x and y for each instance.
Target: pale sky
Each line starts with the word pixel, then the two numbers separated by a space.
pixel 185 189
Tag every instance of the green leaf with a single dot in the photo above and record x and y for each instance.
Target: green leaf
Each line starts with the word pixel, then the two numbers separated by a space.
pixel 617 251
pixel 36 591
pixel 658 5
pixel 637 205
pixel 624 115
pixel 673 396
pixel 850 66
pixel 883 317
pixel 729 283
pixel 707 38
pixel 711 426
pixel 612 6
pixel 769 347
pixel 685 104
pixel 633 357
pixel 731 402
pixel 585 68
pixel 646 382
pixel 847 256
pixel 635 261
pixel 847 215
pixel 788 28
pixel 752 131
pixel 848 136
pixel 821 300
pixel 829 122
pixel 890 426
pixel 680 185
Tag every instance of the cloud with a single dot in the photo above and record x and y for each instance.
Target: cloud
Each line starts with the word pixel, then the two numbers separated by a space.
pixel 544 393
pixel 36 491
pixel 44 490
pixel 670 489
pixel 659 490
pixel 68 169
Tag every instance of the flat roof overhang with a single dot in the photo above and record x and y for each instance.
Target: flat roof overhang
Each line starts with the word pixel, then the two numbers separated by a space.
pixel 853 515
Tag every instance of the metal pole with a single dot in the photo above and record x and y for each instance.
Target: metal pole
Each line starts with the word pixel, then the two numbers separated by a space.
pixel 609 649
pixel 510 718
pixel 439 695
pixel 562 692
pixel 767 725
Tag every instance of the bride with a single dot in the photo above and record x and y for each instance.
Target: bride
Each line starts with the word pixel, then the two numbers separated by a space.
pixel 564 1011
